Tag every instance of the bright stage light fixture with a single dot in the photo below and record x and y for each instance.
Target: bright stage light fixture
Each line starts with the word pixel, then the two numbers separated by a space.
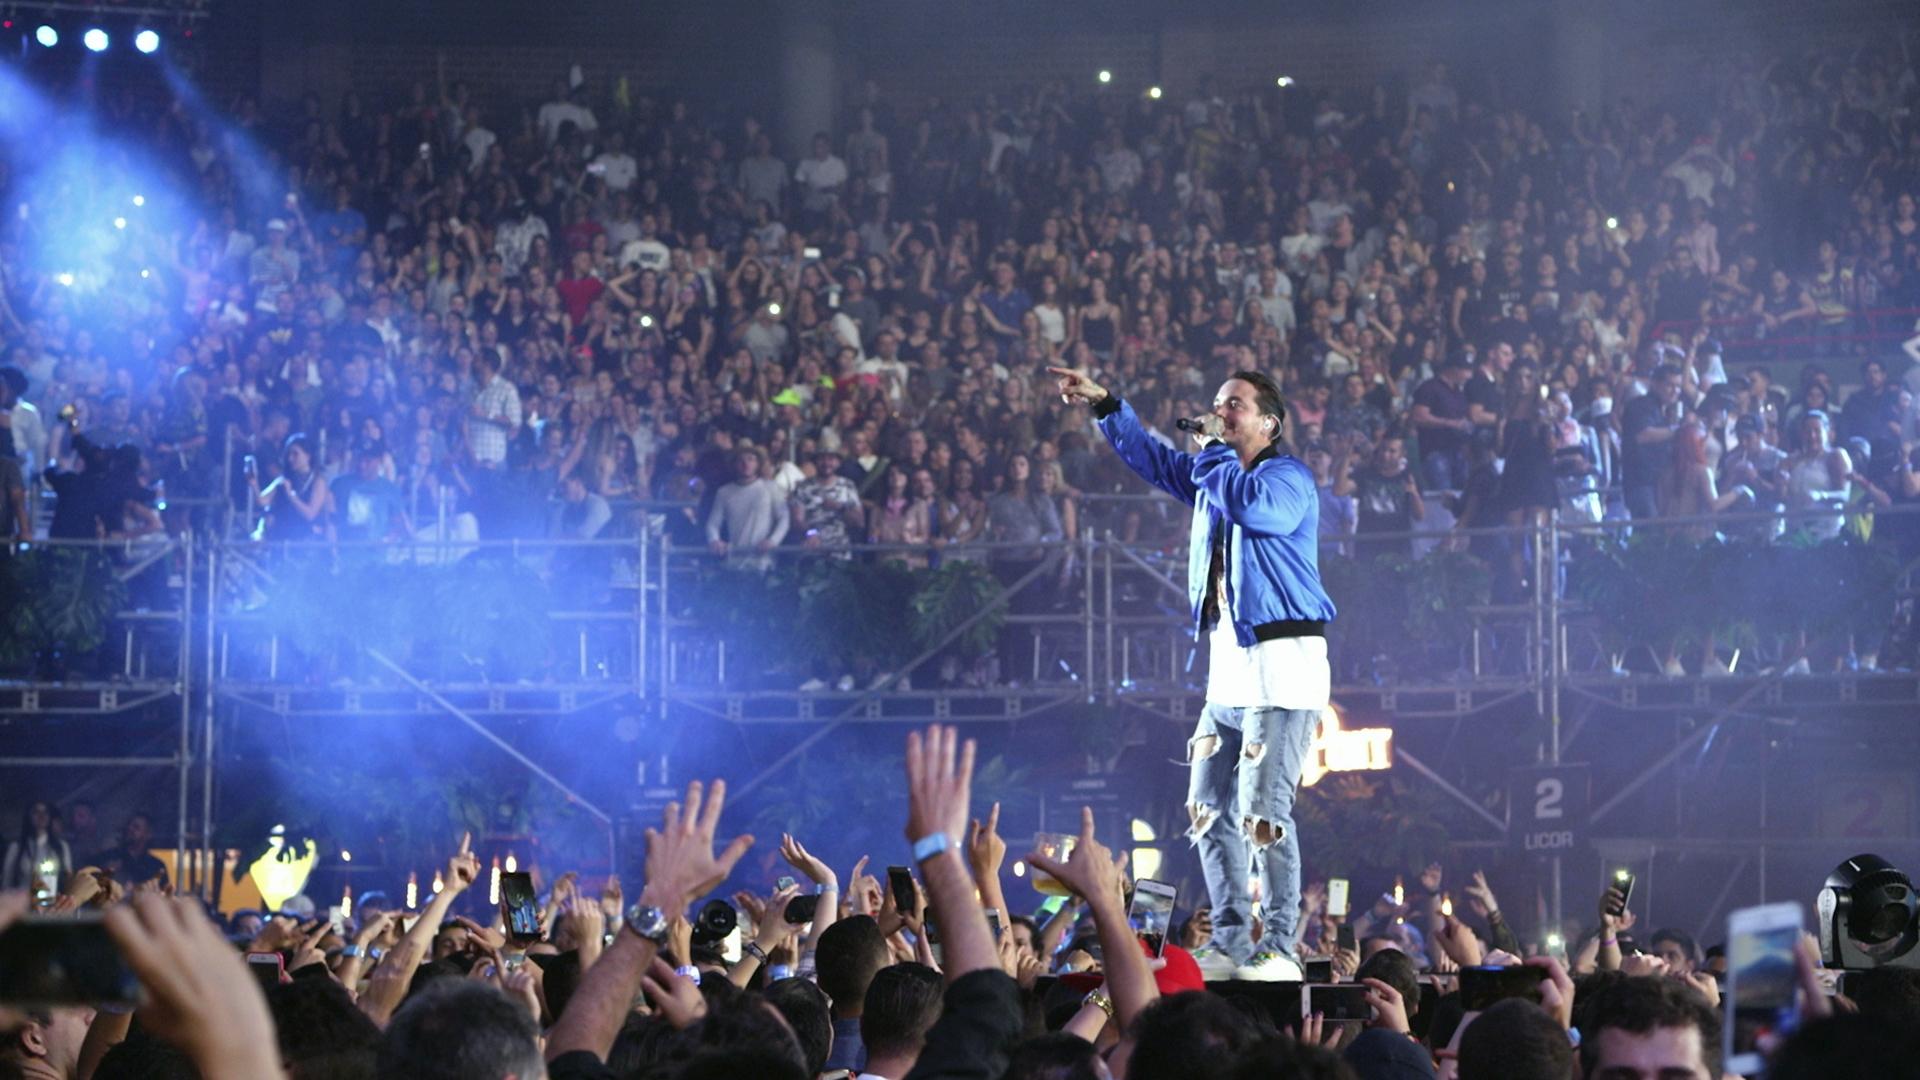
pixel 1105 76
pixel 139 200
pixel 1284 81
pixel 119 223
pixel 146 41
pixel 95 39
pixel 47 35
pixel 1153 92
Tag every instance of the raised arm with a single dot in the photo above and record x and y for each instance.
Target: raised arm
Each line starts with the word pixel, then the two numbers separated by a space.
pixel 1091 874
pixel 1157 463
pixel 681 865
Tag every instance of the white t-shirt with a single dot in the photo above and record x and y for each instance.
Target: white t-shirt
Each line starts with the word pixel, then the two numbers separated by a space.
pixel 1285 673
pixel 555 113
pixel 478 141
pixel 822 174
pixel 619 170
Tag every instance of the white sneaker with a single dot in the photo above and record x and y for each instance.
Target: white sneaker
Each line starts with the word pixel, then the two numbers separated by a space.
pixel 1270 967
pixel 1215 964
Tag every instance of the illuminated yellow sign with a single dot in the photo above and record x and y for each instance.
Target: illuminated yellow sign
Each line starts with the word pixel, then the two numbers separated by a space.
pixel 282 872
pixel 1339 749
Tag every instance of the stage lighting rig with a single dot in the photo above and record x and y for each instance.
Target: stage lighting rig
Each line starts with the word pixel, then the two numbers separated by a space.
pixel 1866 912
pixel 95 39
pixel 47 36
pixel 146 41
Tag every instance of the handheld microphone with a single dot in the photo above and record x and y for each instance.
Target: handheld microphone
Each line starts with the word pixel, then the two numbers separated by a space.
pixel 1198 424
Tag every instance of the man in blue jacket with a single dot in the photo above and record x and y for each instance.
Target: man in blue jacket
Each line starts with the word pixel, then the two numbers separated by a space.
pixel 1253 582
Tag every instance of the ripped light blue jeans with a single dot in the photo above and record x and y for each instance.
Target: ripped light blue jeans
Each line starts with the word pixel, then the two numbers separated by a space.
pixel 1245 769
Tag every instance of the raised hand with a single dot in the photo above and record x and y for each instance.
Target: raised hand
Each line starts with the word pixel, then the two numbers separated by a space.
pixel 986 850
pixel 801 859
pixel 611 901
pixel 1430 877
pixel 584 923
pixel 485 937
pixel 863 890
pixel 1089 871
pixel 681 863
pixel 1076 385
pixel 771 929
pixel 1556 991
pixel 199 995
pixel 939 784
pixel 1612 924
pixel 463 867
pixel 1389 1011
pixel 1458 942
pixel 1480 895
pixel 675 998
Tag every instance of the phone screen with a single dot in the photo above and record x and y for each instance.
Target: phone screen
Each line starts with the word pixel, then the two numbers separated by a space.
pixel 519 907
pixel 1317 969
pixel 993 923
pixel 1336 1001
pixel 267 968
pixel 1761 983
pixel 1152 913
pixel 63 961
pixel 1337 896
pixel 900 881
pixel 1343 939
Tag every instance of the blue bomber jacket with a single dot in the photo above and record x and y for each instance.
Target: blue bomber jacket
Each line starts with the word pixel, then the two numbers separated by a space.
pixel 1272 516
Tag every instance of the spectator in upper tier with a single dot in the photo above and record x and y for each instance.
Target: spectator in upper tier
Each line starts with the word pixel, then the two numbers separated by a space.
pixel 371 506
pixel 131 862
pixel 749 516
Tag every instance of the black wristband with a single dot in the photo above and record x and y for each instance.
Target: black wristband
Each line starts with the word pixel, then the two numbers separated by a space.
pixel 1106 406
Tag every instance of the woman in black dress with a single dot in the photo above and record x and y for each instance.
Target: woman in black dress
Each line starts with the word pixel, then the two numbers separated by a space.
pixel 1527 489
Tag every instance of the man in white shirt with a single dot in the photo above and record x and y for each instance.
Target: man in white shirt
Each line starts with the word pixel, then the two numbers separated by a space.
pixel 18 416
pixel 749 517
pixel 762 176
pixel 564 110
pixel 821 177
pixel 514 239
pixel 1120 167
pixel 647 253
pixel 886 363
pixel 478 140
pixel 615 165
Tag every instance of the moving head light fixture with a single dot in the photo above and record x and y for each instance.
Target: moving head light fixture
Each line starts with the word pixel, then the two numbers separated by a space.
pixel 1866 912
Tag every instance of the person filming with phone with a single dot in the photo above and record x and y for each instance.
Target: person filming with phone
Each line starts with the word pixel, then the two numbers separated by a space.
pixel 1253 578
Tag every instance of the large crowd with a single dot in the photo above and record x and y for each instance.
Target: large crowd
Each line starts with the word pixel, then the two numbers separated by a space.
pixel 471 316
pixel 916 973
pixel 459 315
pixel 921 972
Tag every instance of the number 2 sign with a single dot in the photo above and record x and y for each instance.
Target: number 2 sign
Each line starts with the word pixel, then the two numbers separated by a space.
pixel 1547 809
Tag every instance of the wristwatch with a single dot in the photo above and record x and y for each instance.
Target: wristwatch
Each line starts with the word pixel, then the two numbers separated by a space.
pixel 648 922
